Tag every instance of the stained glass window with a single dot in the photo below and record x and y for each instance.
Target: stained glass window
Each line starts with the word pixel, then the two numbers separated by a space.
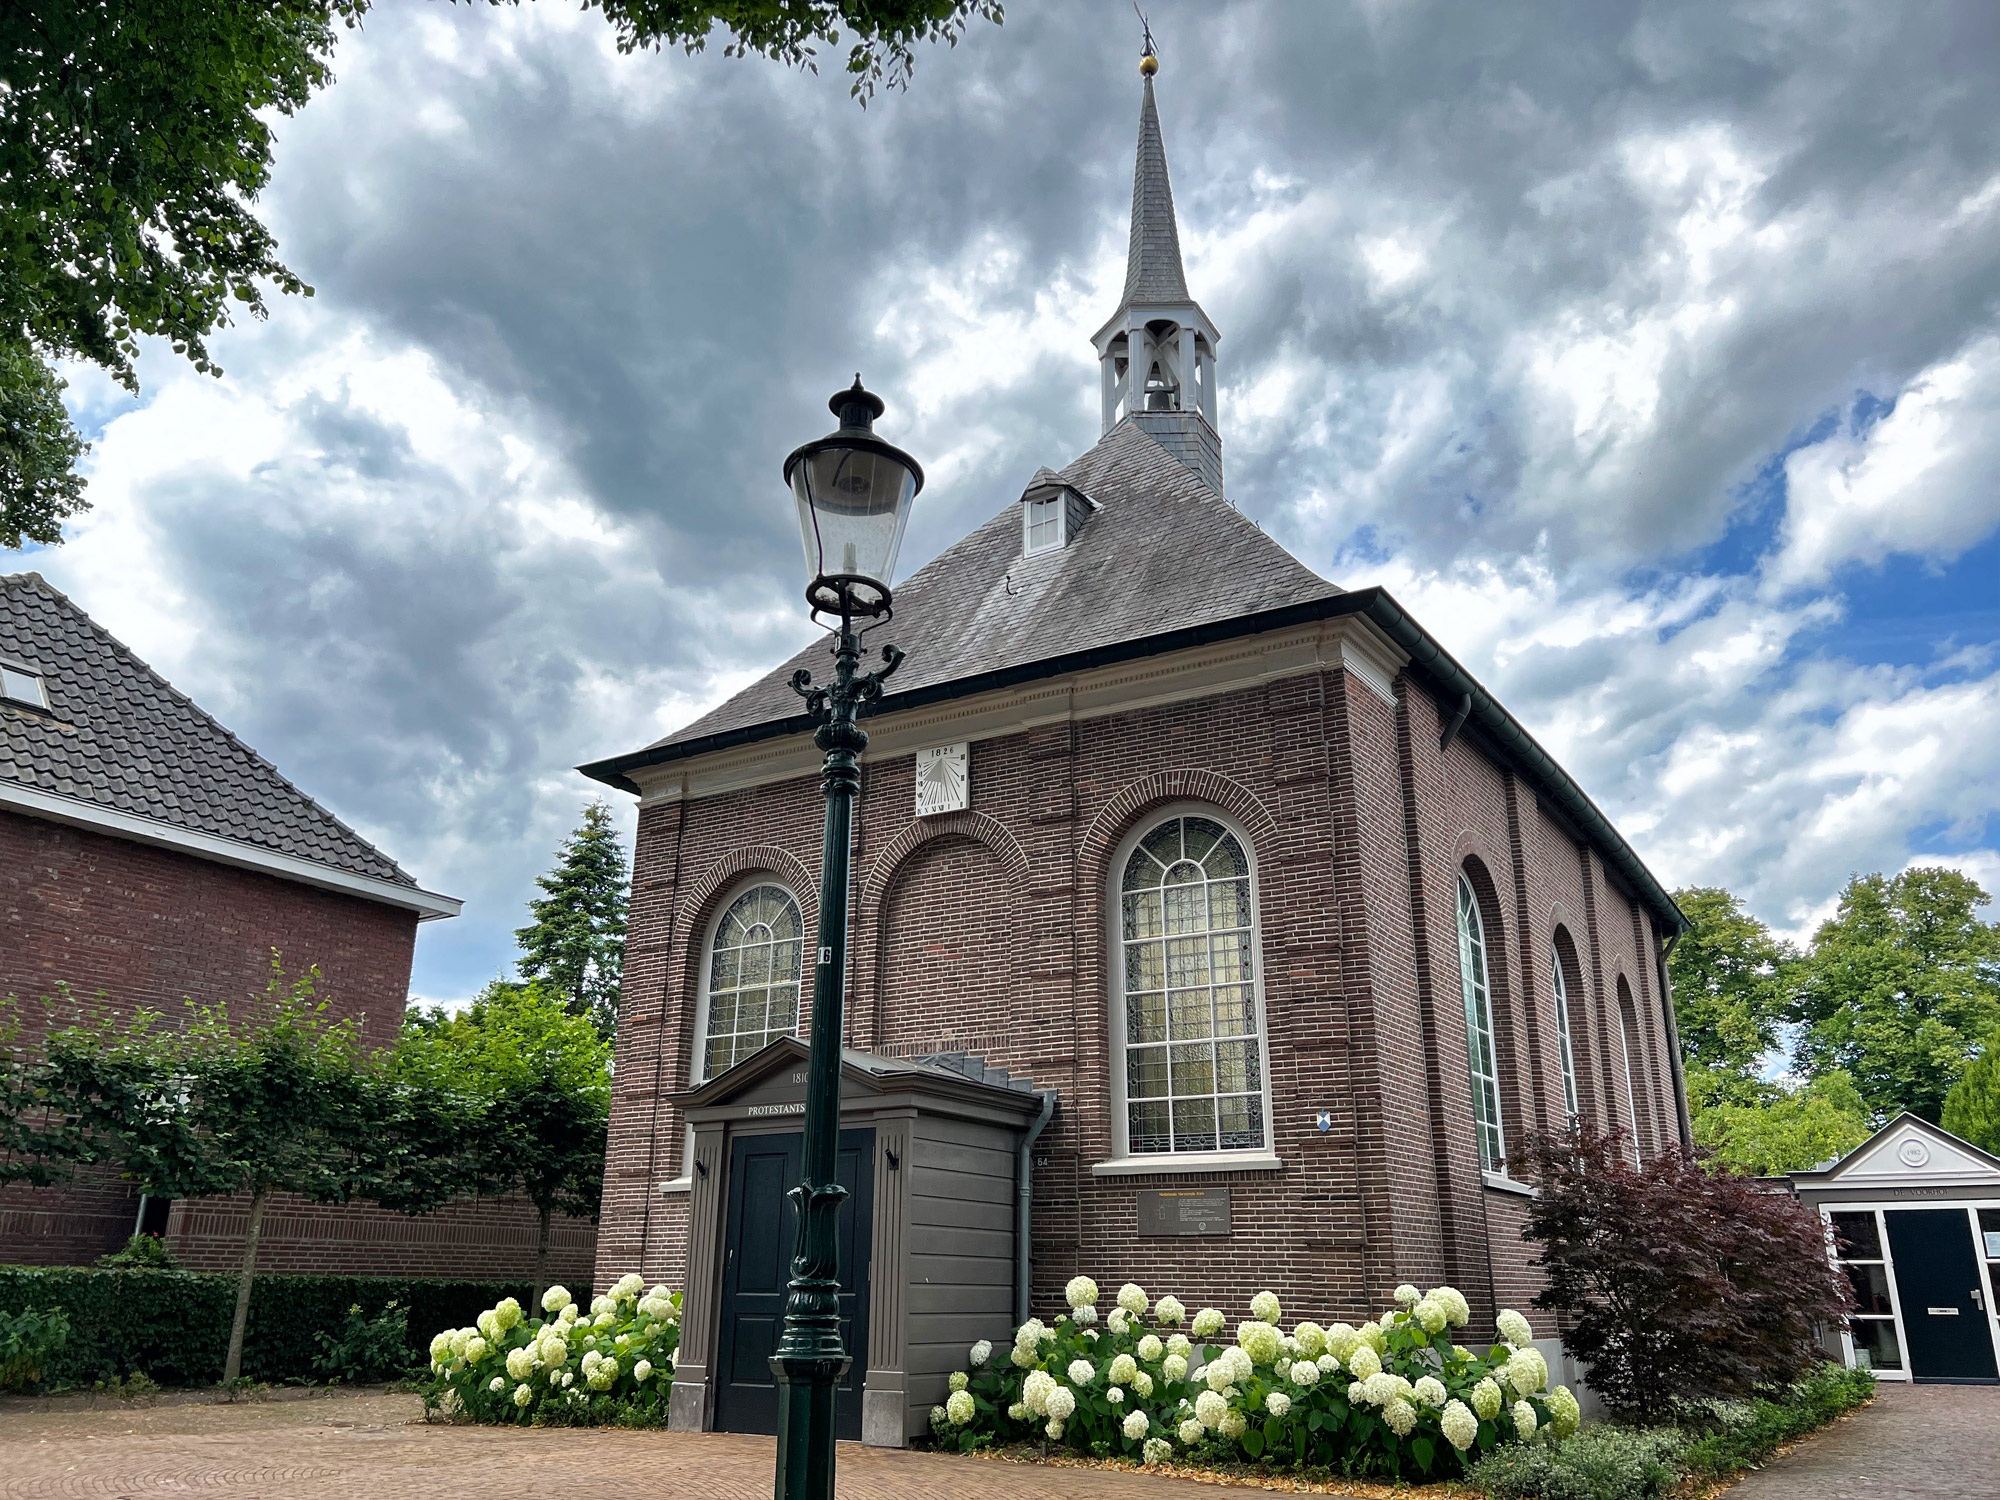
pixel 1194 1066
pixel 1479 1029
pixel 753 976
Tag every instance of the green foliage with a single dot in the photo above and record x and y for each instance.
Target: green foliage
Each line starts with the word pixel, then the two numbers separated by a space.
pixel 1972 1108
pixel 366 1348
pixel 1598 1463
pixel 612 1365
pixel 1789 1132
pixel 1729 976
pixel 1900 987
pixel 174 1325
pixel 1749 1435
pixel 39 448
pixel 29 1341
pixel 575 947
pixel 142 1252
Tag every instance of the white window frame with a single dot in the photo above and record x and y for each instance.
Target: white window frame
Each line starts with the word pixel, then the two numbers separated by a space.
pixel 1565 1044
pixel 20 671
pixel 1123 1162
pixel 1989 1268
pixel 1060 501
pixel 1479 996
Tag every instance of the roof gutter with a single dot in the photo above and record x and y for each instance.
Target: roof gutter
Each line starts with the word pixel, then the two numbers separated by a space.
pixel 1375 604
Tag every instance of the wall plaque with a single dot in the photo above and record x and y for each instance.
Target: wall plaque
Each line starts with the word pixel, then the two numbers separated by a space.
pixel 1184 1211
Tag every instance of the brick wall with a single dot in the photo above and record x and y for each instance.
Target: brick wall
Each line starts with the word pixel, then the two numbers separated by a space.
pixel 987 931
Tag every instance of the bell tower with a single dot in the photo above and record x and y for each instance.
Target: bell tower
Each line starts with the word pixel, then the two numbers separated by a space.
pixel 1157 354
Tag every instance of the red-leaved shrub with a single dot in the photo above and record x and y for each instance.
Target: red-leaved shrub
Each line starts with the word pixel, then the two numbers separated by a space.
pixel 1679 1283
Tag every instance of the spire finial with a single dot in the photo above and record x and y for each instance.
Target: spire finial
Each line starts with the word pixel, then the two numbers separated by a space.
pixel 1149 60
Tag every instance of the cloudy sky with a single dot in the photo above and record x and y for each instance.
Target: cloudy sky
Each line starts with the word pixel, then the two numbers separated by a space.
pixel 1650 353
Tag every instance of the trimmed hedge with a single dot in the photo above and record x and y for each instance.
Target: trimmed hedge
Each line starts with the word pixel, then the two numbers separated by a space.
pixel 174 1325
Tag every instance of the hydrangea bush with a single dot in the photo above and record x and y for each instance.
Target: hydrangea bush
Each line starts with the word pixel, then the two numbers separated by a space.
pixel 1395 1396
pixel 609 1364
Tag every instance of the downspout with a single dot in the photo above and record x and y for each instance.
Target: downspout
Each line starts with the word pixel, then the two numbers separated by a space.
pixel 1024 1199
pixel 1663 952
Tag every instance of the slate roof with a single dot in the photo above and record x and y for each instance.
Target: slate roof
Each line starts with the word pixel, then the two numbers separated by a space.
pixel 1162 552
pixel 1153 261
pixel 118 736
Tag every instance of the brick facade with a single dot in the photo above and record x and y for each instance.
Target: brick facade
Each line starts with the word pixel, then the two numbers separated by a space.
pixel 987 932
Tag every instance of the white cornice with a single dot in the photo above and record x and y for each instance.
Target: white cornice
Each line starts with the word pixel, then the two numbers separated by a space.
pixel 1350 643
pixel 428 905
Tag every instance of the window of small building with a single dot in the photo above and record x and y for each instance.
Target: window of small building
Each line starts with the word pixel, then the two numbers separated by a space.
pixel 1564 1049
pixel 755 964
pixel 1192 1034
pixel 1045 524
pixel 1479 1050
pixel 1857 1246
pixel 22 685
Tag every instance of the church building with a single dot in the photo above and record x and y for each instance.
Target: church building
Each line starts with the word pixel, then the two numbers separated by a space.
pixel 1212 928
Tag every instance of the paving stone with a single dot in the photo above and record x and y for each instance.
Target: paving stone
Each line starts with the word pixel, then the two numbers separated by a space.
pixel 1926 1442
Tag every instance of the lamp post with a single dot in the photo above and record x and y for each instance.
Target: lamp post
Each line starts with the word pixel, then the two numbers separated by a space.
pixel 854 493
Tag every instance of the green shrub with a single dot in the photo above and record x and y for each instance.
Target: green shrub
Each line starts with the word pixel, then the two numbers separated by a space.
pixel 610 1366
pixel 174 1325
pixel 366 1348
pixel 1748 1433
pixel 29 1341
pixel 1598 1463
pixel 143 1252
pixel 1395 1396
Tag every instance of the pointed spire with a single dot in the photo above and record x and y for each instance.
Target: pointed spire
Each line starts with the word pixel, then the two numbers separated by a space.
pixel 1153 262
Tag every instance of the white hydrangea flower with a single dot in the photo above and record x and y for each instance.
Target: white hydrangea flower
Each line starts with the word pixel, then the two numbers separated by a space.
pixel 1364 1362
pixel 1135 1426
pixel 1061 1403
pixel 1452 1300
pixel 569 1314
pixel 1157 1450
pixel 520 1363
pixel 1142 1383
pixel 523 1395
pixel 1381 1388
pixel 555 1299
pixel 1018 1412
pixel 1133 1299
pixel 959 1381
pixel 1305 1374
pixel 1150 1347
pixel 1123 1368
pixel 1400 1416
pixel 1264 1307
pixel 604 1319
pixel 1054 1429
pixel 1081 1292
pixel 655 1307
pixel 460 1337
pixel 628 1286
pixel 1115 1396
pixel 497 1384
pixel 1524 1419
pixel 1388 1320
pixel 604 1304
pixel 1564 1413
pixel 590 1362
pixel 643 1370
pixel 553 1351
pixel 440 1345
pixel 1429 1314
pixel 1170 1311
pixel 981 1352
pixel 1460 1426
pixel 1429 1391
pixel 1357 1394
pixel 1372 1335
pixel 1174 1367
pixel 1210 1408
pixel 1487 1399
pixel 1024 1356
pixel 1207 1323
pixel 1281 1366
pixel 1259 1341
pixel 959 1408
pixel 488 1325
pixel 1342 1340
pixel 1311 1339
pixel 1514 1328
pixel 506 1313
pixel 604 1379
pixel 1119 1322
pixel 1326 1364
pixel 1191 1431
pixel 569 1379
pixel 937 1418
pixel 1081 1372
pixel 1233 1424
pixel 1180 1344
pixel 1035 1391
pixel 1277 1403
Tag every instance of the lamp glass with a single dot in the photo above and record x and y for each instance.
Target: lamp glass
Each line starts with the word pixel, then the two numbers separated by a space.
pixel 854 502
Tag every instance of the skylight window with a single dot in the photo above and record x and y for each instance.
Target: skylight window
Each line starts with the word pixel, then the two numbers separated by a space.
pixel 20 685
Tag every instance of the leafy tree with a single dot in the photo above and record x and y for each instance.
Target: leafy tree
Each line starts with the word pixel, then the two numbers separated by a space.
pixel 1972 1108
pixel 135 136
pixel 1678 1284
pixel 575 947
pixel 256 1105
pixel 1899 987
pixel 1789 1132
pixel 1729 975
pixel 532 1083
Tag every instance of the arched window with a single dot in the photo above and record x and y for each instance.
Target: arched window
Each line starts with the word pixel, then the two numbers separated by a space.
pixel 1479 1049
pixel 1193 1075
pixel 751 994
pixel 1628 1042
pixel 1559 979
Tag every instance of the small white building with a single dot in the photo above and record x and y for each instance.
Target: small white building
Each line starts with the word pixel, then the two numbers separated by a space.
pixel 1914 1216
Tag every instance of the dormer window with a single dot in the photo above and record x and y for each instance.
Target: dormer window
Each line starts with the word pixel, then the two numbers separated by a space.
pixel 1045 525
pixel 20 684
pixel 1051 513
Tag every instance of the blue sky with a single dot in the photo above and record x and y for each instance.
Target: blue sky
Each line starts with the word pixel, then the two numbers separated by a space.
pixel 1649 352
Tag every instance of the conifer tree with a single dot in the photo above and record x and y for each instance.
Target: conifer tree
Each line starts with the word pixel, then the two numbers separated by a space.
pixel 575 947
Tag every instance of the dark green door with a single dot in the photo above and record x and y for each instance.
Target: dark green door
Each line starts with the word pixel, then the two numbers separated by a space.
pixel 757 1264
pixel 1937 1282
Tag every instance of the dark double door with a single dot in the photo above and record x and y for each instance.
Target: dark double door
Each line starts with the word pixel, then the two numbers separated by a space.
pixel 757 1264
pixel 1939 1285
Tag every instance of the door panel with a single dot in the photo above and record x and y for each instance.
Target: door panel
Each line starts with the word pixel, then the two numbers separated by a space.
pixel 761 1228
pixel 1936 1277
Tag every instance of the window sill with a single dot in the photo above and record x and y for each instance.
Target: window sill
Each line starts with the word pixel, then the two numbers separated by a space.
pixel 1501 1184
pixel 678 1185
pixel 1207 1161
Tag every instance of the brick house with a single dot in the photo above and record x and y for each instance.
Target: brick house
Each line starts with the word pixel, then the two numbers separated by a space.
pixel 148 857
pixel 1294 923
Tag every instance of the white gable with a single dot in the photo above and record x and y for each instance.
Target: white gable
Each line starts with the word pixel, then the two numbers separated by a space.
pixel 1906 1151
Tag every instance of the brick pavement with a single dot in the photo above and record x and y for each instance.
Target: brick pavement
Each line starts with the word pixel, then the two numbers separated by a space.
pixel 1927 1442
pixel 372 1447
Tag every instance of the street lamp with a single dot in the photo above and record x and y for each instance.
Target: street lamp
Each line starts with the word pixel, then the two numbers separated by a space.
pixel 854 493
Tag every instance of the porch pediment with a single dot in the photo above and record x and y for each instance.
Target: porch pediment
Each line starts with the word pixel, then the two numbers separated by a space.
pixel 1907 1152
